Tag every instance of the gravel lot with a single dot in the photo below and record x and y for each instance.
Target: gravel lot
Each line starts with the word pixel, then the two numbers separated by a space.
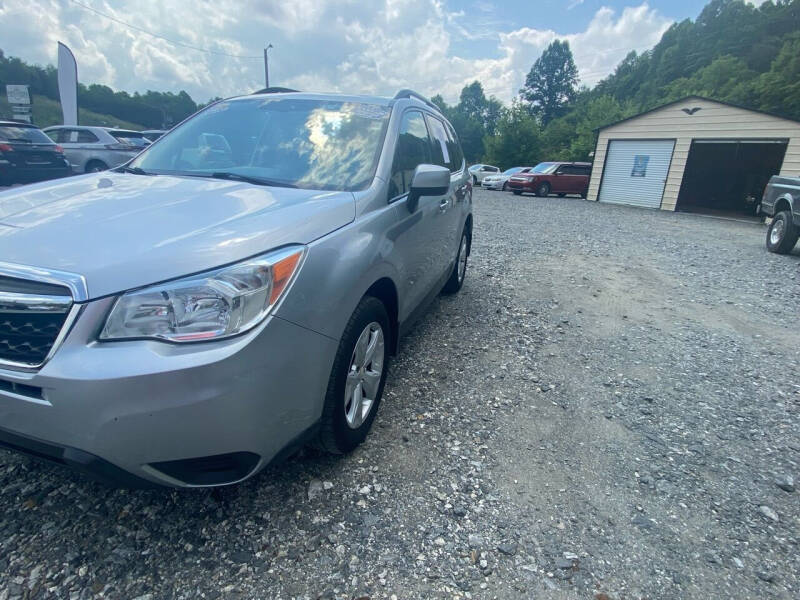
pixel 608 409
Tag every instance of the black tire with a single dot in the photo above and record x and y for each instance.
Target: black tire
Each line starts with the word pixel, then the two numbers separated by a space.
pixel 457 276
pixel 517 192
pixel 561 195
pixel 543 190
pixel 584 193
pixel 785 233
pixel 335 435
pixel 95 166
pixel 505 186
pixel 474 180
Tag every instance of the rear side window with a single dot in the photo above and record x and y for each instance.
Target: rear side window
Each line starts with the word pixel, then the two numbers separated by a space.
pixel 454 147
pixel 86 137
pixel 439 151
pixel 413 148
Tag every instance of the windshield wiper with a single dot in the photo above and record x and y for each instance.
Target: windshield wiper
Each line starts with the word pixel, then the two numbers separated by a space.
pixel 134 170
pixel 248 179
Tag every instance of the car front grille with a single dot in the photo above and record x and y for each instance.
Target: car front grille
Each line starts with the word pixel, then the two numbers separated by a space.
pixel 32 316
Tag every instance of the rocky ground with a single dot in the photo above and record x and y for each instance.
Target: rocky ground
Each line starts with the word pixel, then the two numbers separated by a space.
pixel 608 409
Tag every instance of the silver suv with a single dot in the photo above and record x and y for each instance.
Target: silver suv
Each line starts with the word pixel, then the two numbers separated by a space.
pixel 91 149
pixel 232 293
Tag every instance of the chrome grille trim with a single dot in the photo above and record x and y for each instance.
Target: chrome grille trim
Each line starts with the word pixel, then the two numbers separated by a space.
pixel 18 304
pixel 33 303
pixel 75 283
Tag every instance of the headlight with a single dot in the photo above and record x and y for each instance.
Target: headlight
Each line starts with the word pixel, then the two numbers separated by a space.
pixel 208 306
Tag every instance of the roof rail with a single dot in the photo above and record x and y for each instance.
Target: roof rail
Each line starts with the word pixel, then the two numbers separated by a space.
pixel 275 90
pixel 406 93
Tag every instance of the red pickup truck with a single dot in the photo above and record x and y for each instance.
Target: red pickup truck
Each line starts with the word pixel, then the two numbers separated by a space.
pixel 547 178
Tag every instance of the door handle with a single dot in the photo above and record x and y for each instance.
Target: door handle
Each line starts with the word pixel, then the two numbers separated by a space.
pixel 444 203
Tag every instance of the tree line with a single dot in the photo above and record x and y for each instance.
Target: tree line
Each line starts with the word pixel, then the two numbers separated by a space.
pixel 733 52
pixel 152 110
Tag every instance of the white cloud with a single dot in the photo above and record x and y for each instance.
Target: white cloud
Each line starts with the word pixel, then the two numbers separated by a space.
pixel 337 45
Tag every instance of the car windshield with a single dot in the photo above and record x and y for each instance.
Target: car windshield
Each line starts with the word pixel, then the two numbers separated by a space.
pixel 296 142
pixel 30 135
pixel 544 167
pixel 512 170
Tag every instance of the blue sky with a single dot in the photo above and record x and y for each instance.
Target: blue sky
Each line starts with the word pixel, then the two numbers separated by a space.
pixel 354 46
pixel 563 16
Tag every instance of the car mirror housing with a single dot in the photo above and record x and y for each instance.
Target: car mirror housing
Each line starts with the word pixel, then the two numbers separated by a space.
pixel 428 180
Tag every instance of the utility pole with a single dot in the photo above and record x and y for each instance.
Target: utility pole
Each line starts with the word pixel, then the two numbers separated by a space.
pixel 266 65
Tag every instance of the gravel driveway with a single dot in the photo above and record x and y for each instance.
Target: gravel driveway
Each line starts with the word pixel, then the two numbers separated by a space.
pixel 609 409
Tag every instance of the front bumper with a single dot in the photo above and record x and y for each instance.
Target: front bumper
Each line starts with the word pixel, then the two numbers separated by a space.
pixel 525 186
pixel 492 185
pixel 136 407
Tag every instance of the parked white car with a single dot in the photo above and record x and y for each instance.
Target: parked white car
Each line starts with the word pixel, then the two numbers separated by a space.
pixel 478 172
pixel 498 182
pixel 90 149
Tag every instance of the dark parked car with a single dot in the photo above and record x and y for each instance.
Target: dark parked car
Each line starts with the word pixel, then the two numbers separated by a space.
pixel 781 201
pixel 27 154
pixel 547 178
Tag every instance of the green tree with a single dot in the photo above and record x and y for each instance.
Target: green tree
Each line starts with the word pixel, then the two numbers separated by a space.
pixel 516 141
pixel 551 83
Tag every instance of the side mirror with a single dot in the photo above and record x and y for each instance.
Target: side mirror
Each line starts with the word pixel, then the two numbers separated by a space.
pixel 428 180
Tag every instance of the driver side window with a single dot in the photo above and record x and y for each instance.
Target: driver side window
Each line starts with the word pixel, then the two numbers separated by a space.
pixel 413 148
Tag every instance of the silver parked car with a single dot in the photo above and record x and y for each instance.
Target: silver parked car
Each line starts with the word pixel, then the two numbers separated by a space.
pixel 92 149
pixel 479 171
pixel 499 182
pixel 232 293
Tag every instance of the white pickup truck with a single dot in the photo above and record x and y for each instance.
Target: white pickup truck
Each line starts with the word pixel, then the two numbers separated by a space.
pixel 781 201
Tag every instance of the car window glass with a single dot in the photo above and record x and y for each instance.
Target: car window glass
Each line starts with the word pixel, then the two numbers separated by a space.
pixel 413 148
pixel 440 155
pixel 86 137
pixel 130 138
pixel 23 134
pixel 456 155
pixel 303 142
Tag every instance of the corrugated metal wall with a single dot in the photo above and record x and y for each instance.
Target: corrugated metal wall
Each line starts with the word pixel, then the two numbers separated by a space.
pixel 712 120
pixel 636 171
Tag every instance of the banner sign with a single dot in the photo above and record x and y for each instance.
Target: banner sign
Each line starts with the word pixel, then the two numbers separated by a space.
pixel 68 84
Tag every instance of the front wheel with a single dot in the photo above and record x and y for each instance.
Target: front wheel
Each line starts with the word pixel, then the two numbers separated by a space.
pixel 474 180
pixel 460 268
pixel 95 166
pixel 517 192
pixel 782 234
pixel 543 190
pixel 505 186
pixel 357 378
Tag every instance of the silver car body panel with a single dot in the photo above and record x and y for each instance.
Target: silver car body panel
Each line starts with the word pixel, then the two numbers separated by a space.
pixel 138 402
pixel 152 229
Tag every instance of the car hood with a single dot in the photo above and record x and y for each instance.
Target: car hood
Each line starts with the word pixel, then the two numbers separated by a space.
pixel 122 231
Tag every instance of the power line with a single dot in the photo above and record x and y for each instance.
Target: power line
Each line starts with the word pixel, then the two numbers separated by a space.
pixel 155 35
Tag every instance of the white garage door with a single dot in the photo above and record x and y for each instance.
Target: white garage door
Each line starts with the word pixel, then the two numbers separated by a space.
pixel 636 171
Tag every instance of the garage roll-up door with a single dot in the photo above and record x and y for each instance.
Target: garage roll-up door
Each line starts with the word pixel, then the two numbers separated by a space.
pixel 636 171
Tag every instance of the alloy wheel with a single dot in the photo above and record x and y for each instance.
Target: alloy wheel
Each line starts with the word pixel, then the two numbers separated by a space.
pixel 364 375
pixel 777 232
